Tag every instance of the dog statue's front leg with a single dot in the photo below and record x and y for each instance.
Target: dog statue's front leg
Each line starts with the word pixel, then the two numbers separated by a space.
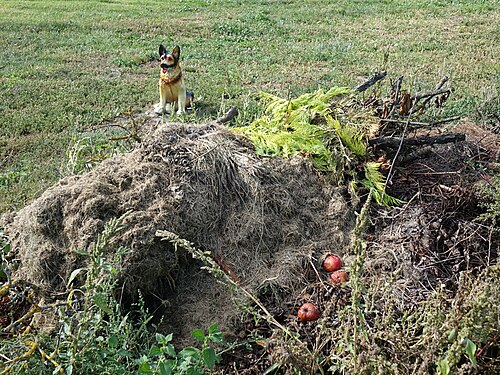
pixel 160 108
pixel 181 101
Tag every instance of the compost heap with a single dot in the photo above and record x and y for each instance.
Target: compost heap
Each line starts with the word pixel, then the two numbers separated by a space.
pixel 263 218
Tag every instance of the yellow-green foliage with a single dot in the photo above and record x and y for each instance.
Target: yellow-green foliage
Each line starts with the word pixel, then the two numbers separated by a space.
pixel 375 181
pixel 329 127
pixel 287 127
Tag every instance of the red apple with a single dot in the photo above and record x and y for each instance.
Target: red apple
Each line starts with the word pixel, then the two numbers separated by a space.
pixel 308 312
pixel 332 263
pixel 339 277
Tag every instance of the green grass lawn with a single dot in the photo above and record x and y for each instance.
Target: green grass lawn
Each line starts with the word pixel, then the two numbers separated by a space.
pixel 68 65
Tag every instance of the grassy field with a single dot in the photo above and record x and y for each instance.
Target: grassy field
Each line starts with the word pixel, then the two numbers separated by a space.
pixel 66 66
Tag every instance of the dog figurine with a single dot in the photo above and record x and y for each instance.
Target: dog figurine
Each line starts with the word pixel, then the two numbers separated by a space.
pixel 173 93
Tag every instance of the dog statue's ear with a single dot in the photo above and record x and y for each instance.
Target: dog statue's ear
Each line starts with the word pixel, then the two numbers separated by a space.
pixel 162 50
pixel 176 52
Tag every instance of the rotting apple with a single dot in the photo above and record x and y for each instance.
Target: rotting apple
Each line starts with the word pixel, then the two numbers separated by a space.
pixel 332 263
pixel 308 312
pixel 339 277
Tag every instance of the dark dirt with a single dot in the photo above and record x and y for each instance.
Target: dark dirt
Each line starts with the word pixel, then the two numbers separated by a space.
pixel 436 236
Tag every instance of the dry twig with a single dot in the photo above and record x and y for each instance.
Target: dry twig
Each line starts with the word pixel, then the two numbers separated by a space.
pixel 371 81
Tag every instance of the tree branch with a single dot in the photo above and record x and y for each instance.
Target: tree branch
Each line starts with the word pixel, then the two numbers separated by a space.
pixel 431 94
pixel 438 87
pixel 417 123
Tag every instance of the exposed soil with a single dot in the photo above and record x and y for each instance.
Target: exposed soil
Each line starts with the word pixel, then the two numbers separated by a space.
pixel 435 237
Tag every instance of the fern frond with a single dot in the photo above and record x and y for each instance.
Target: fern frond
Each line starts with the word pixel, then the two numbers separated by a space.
pixel 374 176
pixel 375 181
pixel 309 125
pixel 353 140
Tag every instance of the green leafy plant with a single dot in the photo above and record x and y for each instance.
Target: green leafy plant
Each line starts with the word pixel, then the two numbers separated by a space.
pixel 98 336
pixel 287 129
pixel 164 359
pixel 92 333
pixel 375 181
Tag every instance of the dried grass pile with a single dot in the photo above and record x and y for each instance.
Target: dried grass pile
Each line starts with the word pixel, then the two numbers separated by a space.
pixel 264 218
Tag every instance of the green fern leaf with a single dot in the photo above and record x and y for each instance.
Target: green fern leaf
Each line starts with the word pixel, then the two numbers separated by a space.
pixel 375 181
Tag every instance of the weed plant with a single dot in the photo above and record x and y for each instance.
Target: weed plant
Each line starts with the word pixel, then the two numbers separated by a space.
pixel 90 333
pixel 372 333
pixel 490 192
pixel 84 153
pixel 441 334
pixel 4 250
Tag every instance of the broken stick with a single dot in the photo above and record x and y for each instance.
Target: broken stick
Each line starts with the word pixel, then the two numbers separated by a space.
pixel 230 114
pixel 394 142
pixel 395 104
pixel 371 81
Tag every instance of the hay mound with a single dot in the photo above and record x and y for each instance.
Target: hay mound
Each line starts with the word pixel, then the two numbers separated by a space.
pixel 265 218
